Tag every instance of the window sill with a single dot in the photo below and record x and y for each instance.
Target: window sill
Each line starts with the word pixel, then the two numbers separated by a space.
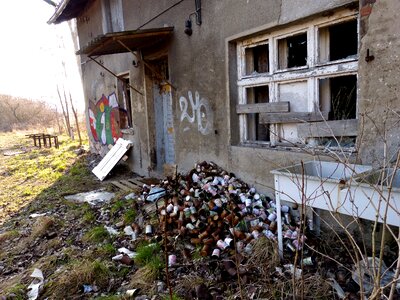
pixel 297 148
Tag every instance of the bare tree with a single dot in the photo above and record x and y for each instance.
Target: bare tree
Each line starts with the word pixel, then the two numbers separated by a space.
pixel 75 112
pixel 65 111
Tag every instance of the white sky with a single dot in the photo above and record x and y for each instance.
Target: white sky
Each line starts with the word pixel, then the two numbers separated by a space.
pixel 31 53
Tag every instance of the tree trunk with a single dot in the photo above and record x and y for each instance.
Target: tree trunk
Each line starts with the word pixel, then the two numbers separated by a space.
pixel 76 119
pixel 65 112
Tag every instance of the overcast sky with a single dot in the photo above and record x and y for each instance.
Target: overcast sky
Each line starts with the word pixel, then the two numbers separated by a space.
pixel 31 53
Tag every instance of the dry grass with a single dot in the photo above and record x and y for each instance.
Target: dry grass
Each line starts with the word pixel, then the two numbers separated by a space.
pixel 41 226
pixel 144 279
pixel 188 282
pixel 264 255
pixel 74 276
pixel 8 235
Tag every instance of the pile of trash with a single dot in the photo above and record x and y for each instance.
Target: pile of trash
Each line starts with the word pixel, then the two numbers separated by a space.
pixel 215 211
pixel 212 225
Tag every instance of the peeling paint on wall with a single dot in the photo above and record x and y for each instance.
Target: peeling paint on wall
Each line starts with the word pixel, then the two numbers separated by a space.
pixel 104 118
pixel 201 112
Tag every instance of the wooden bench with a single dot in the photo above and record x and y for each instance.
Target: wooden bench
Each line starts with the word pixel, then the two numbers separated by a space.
pixel 45 139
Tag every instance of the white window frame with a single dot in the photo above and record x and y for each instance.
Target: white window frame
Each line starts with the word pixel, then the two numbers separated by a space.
pixel 312 72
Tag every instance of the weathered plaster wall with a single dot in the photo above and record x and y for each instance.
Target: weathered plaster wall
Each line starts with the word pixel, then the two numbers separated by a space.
pixel 198 64
pixel 203 101
pixel 90 23
pixel 379 80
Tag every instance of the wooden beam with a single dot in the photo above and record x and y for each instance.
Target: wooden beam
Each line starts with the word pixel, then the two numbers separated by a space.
pixel 329 128
pixel 273 107
pixel 292 117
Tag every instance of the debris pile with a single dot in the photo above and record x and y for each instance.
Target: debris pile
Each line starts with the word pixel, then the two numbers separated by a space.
pixel 215 211
pixel 212 225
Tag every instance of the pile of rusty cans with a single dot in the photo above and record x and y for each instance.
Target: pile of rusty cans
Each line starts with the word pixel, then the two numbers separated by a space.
pixel 218 213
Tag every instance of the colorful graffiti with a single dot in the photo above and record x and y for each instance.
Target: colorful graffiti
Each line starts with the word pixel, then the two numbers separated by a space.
pixel 104 119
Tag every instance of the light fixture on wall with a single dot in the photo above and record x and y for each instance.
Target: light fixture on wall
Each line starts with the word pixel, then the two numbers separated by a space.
pixel 197 14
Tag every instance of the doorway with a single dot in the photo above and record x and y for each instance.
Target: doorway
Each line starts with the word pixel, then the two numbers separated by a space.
pixel 161 121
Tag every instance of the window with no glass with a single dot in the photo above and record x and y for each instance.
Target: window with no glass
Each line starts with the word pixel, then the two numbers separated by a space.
pixel 293 81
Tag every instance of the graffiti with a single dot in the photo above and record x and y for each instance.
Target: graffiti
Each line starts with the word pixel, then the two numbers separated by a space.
pixel 200 112
pixel 104 119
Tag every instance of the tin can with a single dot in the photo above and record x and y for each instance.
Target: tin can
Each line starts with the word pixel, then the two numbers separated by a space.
pixel 290 246
pixel 297 244
pixel 216 252
pixel 193 218
pixel 242 198
pixel 170 207
pixel 288 234
pixel 272 217
pixel 287 217
pixel 148 229
pixel 254 222
pixel 190 226
pixel 308 261
pixel 193 209
pixel 186 211
pixel 218 202
pixel 269 234
pixel 222 245
pixel 255 234
pixel 171 260
pixel 205 250
pixel 229 241
pixel 239 246
pixel 248 202
pixel 284 208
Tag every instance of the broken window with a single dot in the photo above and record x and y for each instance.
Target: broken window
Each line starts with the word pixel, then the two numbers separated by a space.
pixel 338 41
pixel 257 59
pixel 255 130
pixel 292 51
pixel 338 96
pixel 322 93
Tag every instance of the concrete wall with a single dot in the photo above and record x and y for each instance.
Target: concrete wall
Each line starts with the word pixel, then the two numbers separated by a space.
pixel 201 63
pixel 379 80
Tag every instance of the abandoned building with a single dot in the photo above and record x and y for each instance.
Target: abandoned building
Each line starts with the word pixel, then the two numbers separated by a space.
pixel 251 85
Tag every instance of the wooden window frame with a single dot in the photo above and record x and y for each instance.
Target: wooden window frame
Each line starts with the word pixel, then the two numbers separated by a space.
pixel 312 72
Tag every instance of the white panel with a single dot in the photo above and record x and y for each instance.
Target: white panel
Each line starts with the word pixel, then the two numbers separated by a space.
pixel 296 93
pixel 112 158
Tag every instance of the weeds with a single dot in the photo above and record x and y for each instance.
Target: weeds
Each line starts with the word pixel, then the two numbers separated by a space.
pixel 41 226
pixel 106 250
pixel 116 207
pixel 8 235
pixel 96 235
pixel 74 276
pixel 129 216
pixel 146 253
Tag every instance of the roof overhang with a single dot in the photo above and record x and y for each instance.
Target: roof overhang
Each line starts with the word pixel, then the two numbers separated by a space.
pixel 126 41
pixel 67 10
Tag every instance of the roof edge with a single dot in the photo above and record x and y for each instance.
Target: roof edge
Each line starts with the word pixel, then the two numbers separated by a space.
pixel 59 10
